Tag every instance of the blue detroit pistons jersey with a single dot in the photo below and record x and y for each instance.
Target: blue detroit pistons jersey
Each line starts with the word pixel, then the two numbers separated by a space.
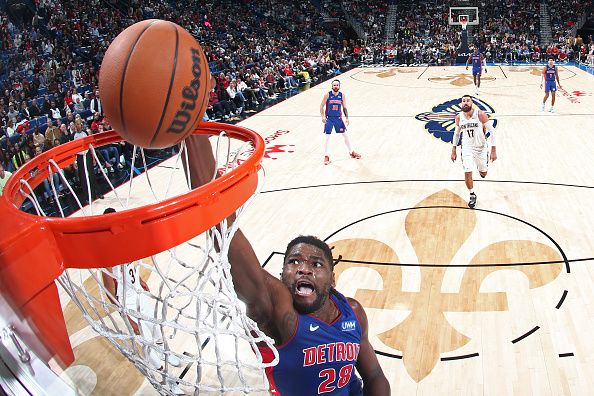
pixel 334 104
pixel 550 73
pixel 476 61
pixel 321 357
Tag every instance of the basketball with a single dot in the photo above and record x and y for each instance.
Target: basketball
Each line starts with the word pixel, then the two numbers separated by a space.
pixel 154 83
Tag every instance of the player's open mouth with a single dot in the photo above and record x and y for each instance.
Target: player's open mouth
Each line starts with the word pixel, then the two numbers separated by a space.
pixel 304 288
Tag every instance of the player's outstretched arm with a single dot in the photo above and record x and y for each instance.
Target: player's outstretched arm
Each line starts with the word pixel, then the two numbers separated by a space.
pixel 374 381
pixel 268 300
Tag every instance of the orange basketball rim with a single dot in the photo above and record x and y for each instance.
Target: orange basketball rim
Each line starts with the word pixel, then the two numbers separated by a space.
pixel 35 250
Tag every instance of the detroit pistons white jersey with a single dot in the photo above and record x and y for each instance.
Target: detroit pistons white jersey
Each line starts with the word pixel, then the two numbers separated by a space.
pixel 472 131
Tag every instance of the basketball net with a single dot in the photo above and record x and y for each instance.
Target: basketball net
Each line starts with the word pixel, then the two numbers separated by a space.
pixel 190 316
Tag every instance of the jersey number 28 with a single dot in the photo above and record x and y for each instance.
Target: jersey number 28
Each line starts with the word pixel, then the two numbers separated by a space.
pixel 329 375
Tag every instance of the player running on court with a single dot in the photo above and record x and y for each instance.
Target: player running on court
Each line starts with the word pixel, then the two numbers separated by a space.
pixel 478 60
pixel 472 124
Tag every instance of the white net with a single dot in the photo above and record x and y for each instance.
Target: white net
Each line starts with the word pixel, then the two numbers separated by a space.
pixel 175 315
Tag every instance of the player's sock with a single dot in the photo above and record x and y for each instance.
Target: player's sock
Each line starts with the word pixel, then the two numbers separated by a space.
pixel 347 141
pixel 472 200
pixel 326 143
pixel 543 107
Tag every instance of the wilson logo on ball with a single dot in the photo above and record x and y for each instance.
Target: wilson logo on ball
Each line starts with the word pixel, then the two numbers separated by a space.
pixel 190 93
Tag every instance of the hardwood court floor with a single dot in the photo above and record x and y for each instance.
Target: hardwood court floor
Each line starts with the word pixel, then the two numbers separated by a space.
pixel 492 301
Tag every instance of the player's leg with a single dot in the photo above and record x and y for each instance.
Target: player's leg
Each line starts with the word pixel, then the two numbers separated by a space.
pixel 347 142
pixel 341 128
pixel 552 100
pixel 470 185
pixel 152 333
pixel 481 160
pixel 467 162
pixel 327 132
pixel 544 100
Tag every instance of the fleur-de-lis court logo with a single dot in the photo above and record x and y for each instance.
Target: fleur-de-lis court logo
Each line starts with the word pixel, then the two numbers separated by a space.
pixel 533 70
pixel 460 79
pixel 437 227
pixel 392 72
pixel 441 120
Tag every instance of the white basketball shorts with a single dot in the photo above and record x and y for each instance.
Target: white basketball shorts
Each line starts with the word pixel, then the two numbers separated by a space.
pixel 478 157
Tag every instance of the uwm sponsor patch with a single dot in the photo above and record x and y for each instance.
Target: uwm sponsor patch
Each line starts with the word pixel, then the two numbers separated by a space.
pixel 349 325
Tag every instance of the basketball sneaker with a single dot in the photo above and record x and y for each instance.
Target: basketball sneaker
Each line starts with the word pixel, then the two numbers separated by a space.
pixel 472 201
pixel 543 107
pixel 176 390
pixel 156 359
pixel 355 155
pixel 326 160
pixel 552 109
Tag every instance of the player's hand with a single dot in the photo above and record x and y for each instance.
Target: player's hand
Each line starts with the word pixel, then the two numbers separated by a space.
pixel 346 121
pixel 485 70
pixel 493 154
pixel 454 156
pixel 466 67
pixel 560 87
pixel 323 119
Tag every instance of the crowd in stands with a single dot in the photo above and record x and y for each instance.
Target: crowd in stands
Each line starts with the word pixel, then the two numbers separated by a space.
pixel 371 15
pixel 259 51
pixel 50 67
pixel 509 31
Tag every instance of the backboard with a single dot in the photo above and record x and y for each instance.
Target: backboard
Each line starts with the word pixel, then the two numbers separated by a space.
pixel 471 13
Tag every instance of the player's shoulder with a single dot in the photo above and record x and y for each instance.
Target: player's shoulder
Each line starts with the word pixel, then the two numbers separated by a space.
pixel 355 305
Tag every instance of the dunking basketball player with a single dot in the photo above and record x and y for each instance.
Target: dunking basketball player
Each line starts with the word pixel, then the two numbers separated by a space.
pixel 473 124
pixel 478 60
pixel 321 335
pixel 549 75
pixel 332 106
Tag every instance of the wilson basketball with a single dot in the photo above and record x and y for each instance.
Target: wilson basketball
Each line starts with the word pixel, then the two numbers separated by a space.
pixel 154 83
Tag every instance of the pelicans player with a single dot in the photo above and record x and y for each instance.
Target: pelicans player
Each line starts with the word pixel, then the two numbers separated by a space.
pixel 125 284
pixel 549 75
pixel 332 106
pixel 477 60
pixel 473 124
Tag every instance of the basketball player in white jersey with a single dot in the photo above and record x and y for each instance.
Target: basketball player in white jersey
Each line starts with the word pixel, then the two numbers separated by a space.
pixel 473 124
pixel 124 283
